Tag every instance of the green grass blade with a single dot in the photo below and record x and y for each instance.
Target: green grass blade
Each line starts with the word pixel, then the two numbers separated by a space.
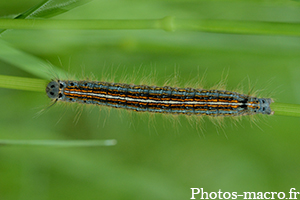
pixel 49 8
pixel 240 27
pixel 38 85
pixel 29 63
pixel 20 83
pixel 58 143
pixel 82 24
pixel 286 109
pixel 31 10
pixel 167 23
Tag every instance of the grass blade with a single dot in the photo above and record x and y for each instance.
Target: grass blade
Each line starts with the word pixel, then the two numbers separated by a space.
pixel 58 143
pixel 286 109
pixel 49 8
pixel 20 83
pixel 39 85
pixel 166 23
pixel 28 63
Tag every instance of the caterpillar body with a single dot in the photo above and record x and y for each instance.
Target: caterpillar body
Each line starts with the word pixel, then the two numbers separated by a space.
pixel 169 100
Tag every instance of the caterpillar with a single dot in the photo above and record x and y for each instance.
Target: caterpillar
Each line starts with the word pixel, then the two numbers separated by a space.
pixel 168 100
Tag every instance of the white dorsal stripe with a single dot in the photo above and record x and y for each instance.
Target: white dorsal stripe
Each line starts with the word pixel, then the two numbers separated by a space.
pixel 155 101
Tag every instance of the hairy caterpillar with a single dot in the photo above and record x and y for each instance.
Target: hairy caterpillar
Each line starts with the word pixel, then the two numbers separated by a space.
pixel 169 100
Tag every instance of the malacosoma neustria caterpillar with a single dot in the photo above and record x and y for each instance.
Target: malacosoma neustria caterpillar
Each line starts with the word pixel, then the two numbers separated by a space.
pixel 169 100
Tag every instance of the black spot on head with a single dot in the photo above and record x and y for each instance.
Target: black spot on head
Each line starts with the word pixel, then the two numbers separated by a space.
pixel 52 89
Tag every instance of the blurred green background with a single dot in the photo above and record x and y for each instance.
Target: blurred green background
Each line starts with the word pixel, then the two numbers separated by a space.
pixel 156 157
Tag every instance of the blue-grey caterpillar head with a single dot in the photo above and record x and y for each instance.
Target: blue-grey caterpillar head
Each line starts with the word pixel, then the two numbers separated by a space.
pixel 265 106
pixel 54 89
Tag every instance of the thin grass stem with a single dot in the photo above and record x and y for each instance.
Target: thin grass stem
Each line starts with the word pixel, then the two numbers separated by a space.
pixel 166 23
pixel 59 143
pixel 20 83
pixel 38 85
pixel 51 24
pixel 286 109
